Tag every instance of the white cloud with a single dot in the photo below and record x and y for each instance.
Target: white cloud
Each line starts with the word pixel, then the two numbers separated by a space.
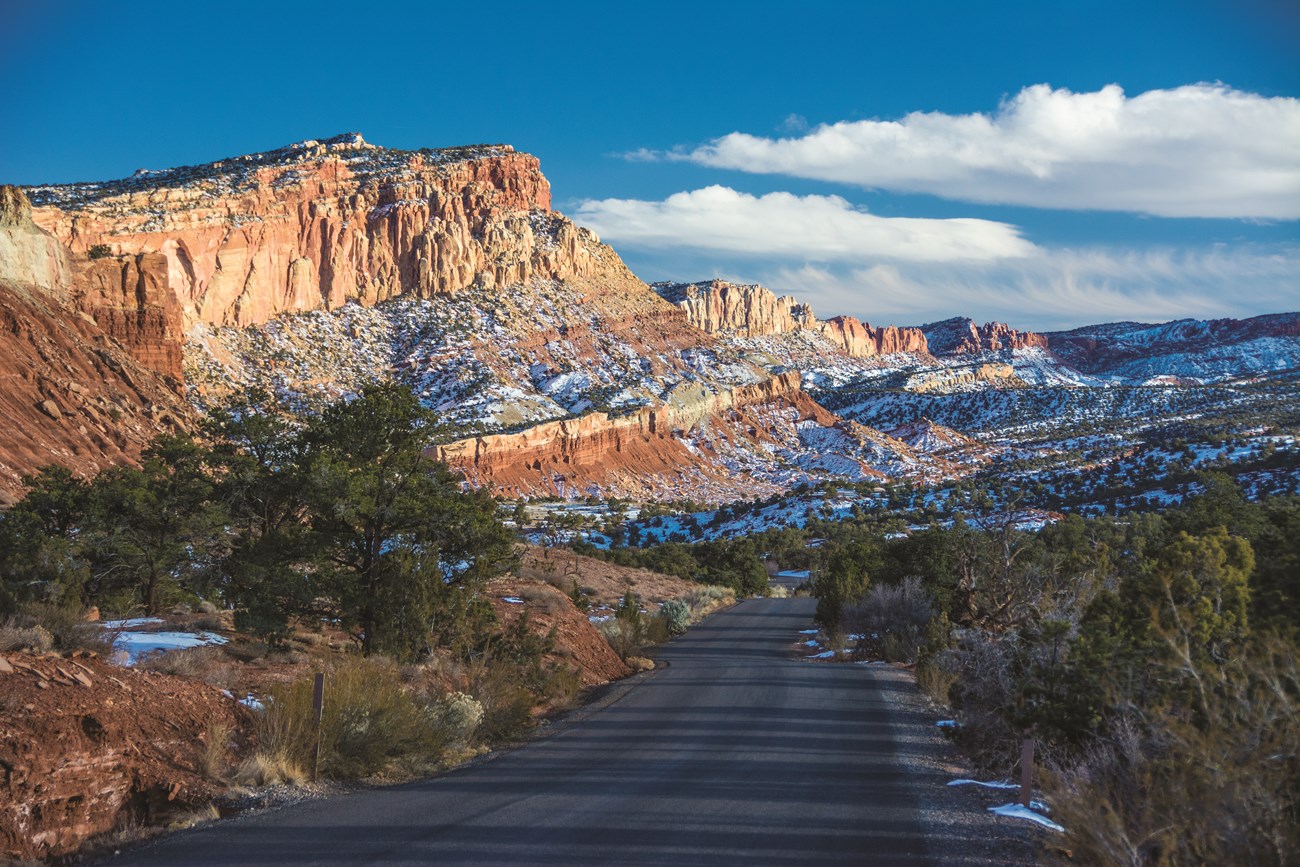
pixel 819 228
pixel 1056 288
pixel 1202 150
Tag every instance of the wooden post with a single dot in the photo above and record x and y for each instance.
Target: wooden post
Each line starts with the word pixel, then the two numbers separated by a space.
pixel 317 711
pixel 1027 771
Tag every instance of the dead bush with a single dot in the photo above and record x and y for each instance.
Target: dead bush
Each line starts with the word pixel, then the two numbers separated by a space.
pixel 936 678
pixel 31 639
pixel 65 627
pixel 1211 781
pixel 983 689
pixel 704 600
pixel 544 598
pixel 507 704
pixel 891 620
pixel 209 664
pixel 624 637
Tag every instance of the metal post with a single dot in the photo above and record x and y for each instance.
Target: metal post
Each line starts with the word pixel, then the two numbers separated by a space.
pixel 1027 771
pixel 317 711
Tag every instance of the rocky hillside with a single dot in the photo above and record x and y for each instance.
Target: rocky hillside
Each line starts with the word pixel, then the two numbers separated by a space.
pixel 88 747
pixel 310 270
pixel 85 377
pixel 1186 349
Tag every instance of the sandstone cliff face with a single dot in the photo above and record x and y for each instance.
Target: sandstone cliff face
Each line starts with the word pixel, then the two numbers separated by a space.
pixel 632 455
pixel 80 366
pixel 28 255
pixel 318 224
pixel 127 296
pixel 745 310
pixel 961 335
pixel 749 310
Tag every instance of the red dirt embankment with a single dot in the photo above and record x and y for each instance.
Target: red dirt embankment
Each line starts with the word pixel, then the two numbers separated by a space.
pixel 87 747
pixel 577 643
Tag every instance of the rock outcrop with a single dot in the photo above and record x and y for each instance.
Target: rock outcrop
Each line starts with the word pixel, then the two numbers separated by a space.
pixel 961 335
pixel 317 224
pixel 628 455
pixel 750 310
pixel 88 373
pixel 745 310
pixel 89 747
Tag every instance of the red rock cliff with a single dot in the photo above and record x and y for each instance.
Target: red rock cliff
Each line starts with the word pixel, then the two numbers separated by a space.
pixel 630 455
pixel 748 310
pixel 80 359
pixel 318 224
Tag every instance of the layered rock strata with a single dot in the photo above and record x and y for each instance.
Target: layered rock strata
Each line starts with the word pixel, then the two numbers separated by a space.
pixel 629 454
pixel 88 373
pixel 318 224
pixel 750 310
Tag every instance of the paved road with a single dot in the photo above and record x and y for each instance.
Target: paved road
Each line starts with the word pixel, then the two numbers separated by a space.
pixel 732 754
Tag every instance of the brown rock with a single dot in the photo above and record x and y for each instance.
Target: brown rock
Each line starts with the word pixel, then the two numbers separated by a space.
pixel 80 761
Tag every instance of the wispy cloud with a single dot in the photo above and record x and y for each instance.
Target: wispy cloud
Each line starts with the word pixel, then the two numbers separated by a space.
pixel 820 228
pixel 1202 150
pixel 1055 288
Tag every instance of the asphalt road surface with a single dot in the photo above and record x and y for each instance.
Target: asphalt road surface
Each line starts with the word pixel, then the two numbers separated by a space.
pixel 733 753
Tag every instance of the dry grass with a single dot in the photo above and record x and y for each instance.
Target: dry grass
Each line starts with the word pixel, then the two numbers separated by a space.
pixel 545 598
pixel 371 723
pixel 64 628
pixel 209 664
pixel 935 680
pixel 269 769
pixel 213 763
pixel 31 639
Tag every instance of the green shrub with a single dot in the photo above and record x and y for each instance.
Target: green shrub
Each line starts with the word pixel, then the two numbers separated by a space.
pixel 100 251
pixel 676 616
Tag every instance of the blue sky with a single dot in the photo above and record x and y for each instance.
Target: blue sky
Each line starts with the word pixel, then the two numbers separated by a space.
pixel 1178 206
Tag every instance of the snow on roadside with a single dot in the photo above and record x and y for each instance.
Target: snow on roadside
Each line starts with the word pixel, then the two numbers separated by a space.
pixel 1020 811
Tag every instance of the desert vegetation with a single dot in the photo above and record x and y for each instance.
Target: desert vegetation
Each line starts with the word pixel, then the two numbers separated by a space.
pixel 331 540
pixel 1152 659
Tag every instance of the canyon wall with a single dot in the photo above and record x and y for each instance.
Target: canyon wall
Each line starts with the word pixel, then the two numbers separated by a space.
pixel 750 310
pixel 87 373
pixel 318 224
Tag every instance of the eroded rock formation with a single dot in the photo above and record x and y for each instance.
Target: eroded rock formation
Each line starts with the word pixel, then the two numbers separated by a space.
pixel 961 335
pixel 749 310
pixel 88 373
pixel 629 454
pixel 318 224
